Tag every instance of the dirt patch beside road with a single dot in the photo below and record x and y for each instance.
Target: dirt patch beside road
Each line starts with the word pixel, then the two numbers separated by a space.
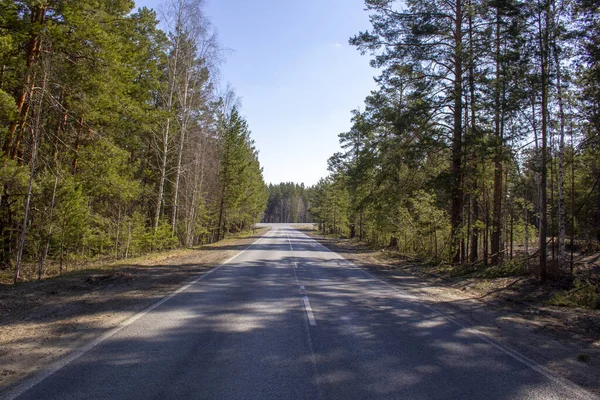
pixel 510 310
pixel 43 321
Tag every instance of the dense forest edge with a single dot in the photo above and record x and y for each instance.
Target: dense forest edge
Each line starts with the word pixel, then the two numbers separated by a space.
pixel 116 138
pixel 480 147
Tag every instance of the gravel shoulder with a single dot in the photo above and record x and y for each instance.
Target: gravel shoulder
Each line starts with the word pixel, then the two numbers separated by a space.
pixel 566 341
pixel 42 322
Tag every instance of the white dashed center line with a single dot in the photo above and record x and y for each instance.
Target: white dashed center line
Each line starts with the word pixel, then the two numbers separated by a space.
pixel 309 313
pixel 307 307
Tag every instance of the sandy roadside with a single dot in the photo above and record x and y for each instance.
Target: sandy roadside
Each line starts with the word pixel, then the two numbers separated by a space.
pixel 42 322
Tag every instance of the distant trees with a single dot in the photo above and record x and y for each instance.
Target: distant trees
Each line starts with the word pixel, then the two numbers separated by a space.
pixel 113 136
pixel 288 203
pixel 330 205
pixel 482 133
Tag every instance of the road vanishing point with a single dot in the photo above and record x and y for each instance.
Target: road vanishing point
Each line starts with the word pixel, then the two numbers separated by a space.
pixel 288 319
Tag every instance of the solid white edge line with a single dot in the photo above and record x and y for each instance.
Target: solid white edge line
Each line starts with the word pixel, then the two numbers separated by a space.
pixel 309 313
pixel 58 365
pixel 573 387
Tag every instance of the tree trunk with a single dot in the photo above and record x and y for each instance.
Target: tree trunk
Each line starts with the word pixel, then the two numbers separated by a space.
pixel 118 234
pixel 543 39
pixel 62 252
pixel 172 73
pixel 526 230
pixel 552 203
pixel 128 240
pixel 498 152
pixel 35 133
pixel 512 219
pixel 34 48
pixel 562 225
pixel 221 213
pixel 182 137
pixel 60 126
pixel 163 175
pixel 6 228
pixel 486 233
pixel 77 145
pixel 360 231
pixel 393 243
pixel 497 213
pixel 177 179
pixel 474 242
pixel 457 173
pixel 49 233
pixel 572 203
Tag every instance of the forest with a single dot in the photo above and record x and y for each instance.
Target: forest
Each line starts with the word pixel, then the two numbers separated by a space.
pixel 117 137
pixel 481 144
pixel 288 203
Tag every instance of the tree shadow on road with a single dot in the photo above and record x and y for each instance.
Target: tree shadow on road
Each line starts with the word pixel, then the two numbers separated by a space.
pixel 243 334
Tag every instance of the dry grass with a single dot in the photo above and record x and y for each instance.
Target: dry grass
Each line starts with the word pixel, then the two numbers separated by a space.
pixel 29 271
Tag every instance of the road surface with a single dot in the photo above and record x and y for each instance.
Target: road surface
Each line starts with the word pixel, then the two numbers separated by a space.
pixel 288 319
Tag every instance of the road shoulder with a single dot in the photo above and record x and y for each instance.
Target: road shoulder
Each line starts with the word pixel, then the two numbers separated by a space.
pixel 529 329
pixel 44 321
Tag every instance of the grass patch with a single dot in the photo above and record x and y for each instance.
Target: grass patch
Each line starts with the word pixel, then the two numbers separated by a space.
pixel 29 269
pixel 457 271
pixel 582 295
pixel 508 268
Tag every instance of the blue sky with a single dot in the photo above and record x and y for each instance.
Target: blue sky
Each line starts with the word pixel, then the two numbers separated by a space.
pixel 298 78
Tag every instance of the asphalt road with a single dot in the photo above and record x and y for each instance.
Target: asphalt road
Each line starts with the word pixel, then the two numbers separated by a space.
pixel 287 319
